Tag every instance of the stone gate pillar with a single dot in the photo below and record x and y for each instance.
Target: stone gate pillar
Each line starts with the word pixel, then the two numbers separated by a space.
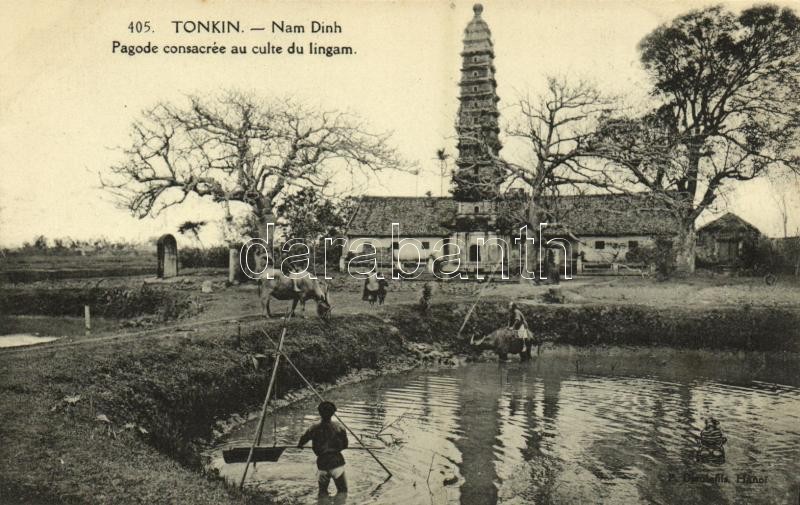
pixel 167 251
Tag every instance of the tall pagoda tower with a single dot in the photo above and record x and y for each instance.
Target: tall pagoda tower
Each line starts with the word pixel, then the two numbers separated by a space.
pixel 477 177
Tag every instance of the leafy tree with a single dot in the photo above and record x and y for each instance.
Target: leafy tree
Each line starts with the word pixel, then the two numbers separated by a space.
pixel 310 216
pixel 728 88
pixel 235 149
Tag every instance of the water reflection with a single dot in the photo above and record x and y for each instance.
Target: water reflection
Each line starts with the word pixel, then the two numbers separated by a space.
pixel 623 430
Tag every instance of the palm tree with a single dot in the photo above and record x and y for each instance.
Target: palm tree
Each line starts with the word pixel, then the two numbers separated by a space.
pixel 192 227
pixel 442 156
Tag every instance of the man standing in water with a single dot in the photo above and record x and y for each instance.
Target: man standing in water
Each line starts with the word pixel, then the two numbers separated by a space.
pixel 516 321
pixel 328 439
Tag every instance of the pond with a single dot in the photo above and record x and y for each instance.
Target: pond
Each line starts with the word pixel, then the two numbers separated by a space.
pixel 23 339
pixel 608 425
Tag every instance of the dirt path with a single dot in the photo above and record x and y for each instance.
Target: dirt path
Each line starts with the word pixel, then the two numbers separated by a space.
pixel 228 311
pixel 156 332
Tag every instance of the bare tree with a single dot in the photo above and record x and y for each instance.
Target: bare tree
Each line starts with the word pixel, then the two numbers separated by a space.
pixel 784 190
pixel 729 87
pixel 237 149
pixel 557 128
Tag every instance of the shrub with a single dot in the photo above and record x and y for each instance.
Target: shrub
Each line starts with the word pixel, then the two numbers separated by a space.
pixel 660 256
pixel 211 257
pixel 115 302
pixel 759 255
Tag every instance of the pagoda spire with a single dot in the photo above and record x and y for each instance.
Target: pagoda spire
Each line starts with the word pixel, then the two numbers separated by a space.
pixel 477 176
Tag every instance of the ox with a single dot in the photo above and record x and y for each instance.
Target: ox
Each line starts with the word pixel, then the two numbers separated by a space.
pixel 273 283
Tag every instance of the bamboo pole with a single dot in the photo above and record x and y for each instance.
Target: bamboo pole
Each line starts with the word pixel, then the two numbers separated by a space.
pixel 260 428
pixel 477 299
pixel 303 377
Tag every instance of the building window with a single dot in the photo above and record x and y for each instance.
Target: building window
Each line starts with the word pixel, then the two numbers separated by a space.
pixel 475 169
pixel 599 244
pixel 446 246
pixel 474 88
pixel 426 244
pixel 474 58
pixel 475 73
pixel 633 244
pixel 477 210
pixel 474 253
pixel 368 248
pixel 395 245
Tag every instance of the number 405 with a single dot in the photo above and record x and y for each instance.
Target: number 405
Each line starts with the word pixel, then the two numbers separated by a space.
pixel 139 27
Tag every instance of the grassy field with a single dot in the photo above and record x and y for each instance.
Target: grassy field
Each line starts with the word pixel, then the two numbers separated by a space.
pixel 28 268
pixel 73 262
pixel 698 292
pixel 134 270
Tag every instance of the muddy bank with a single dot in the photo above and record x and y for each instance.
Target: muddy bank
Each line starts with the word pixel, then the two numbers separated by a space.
pixel 125 423
pixel 745 328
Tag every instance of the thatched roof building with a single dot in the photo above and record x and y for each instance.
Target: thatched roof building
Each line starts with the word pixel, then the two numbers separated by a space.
pixel 729 227
pixel 579 215
pixel 611 215
pixel 418 216
pixel 723 241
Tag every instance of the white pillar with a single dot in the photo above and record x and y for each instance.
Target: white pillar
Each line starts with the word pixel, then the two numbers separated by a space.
pixel 233 264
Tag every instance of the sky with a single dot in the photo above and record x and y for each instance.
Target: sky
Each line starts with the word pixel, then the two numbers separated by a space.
pixel 67 102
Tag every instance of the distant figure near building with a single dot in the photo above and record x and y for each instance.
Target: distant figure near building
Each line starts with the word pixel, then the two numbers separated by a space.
pixel 167 249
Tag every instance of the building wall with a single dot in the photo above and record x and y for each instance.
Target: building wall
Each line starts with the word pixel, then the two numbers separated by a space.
pixel 383 246
pixel 722 248
pixel 706 248
pixel 489 255
pixel 476 208
pixel 614 250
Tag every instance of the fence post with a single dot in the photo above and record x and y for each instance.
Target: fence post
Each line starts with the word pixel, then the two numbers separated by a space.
pixel 87 319
pixel 233 264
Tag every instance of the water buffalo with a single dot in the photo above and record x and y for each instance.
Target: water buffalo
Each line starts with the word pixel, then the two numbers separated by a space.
pixel 374 289
pixel 504 341
pixel 273 283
